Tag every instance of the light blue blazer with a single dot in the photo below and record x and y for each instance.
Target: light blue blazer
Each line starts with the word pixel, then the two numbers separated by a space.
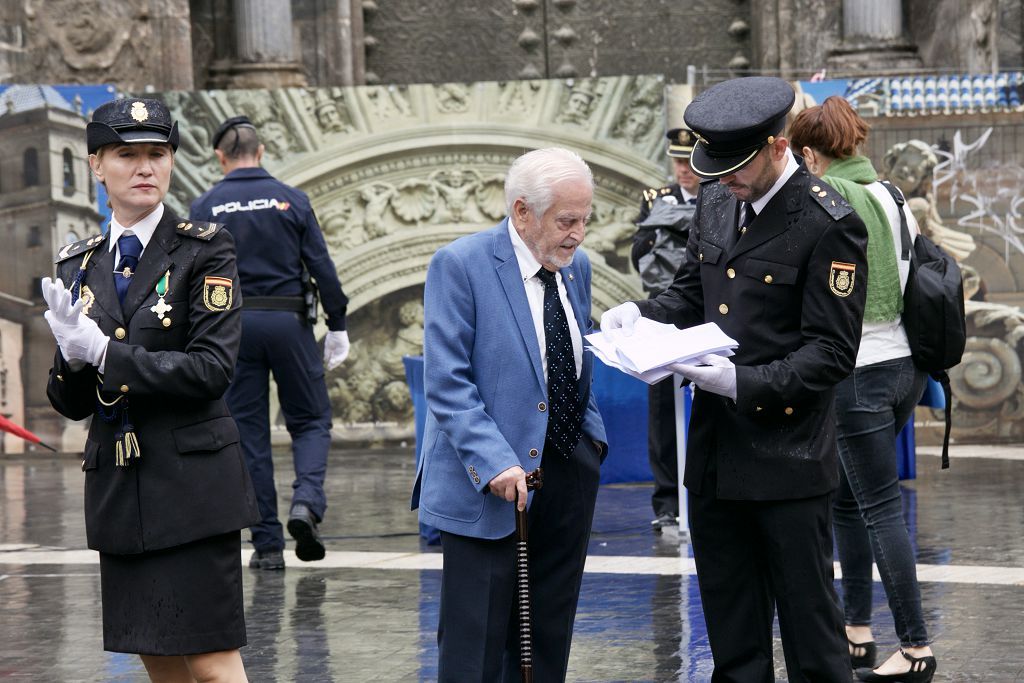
pixel 485 386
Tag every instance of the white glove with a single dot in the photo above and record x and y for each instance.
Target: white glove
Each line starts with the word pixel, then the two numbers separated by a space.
pixel 623 316
pixel 335 349
pixel 80 339
pixel 711 372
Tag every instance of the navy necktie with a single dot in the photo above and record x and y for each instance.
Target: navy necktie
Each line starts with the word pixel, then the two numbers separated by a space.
pixel 747 216
pixel 564 410
pixel 131 249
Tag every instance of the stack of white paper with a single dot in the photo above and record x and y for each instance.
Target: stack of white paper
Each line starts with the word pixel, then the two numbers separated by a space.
pixel 653 345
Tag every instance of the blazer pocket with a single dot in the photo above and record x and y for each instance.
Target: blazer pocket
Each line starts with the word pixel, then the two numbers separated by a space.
pixel 206 437
pixel 709 253
pixel 91 455
pixel 771 273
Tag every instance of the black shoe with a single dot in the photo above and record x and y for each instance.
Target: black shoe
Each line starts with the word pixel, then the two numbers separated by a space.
pixel 921 671
pixel 663 520
pixel 302 526
pixel 266 559
pixel 862 655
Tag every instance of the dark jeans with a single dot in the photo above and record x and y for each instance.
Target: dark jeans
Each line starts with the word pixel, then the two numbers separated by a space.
pixel 872 405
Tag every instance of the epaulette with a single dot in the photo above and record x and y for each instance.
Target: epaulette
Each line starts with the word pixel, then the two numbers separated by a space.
pixel 830 200
pixel 80 247
pixel 666 190
pixel 201 230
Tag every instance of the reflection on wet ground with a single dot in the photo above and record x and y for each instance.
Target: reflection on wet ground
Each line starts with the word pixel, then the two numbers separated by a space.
pixel 369 611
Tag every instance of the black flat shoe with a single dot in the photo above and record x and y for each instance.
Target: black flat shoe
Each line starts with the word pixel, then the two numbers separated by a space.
pixel 921 671
pixel 862 655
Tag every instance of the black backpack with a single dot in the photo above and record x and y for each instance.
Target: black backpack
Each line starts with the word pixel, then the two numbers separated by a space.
pixel 933 310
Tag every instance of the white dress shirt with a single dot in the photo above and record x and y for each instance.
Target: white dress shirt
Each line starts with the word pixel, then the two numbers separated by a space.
pixel 144 230
pixel 528 267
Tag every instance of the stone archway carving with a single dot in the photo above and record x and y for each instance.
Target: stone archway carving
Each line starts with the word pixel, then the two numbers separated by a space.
pixel 394 173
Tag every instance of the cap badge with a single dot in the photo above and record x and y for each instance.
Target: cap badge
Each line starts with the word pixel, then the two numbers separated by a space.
pixel 139 112
pixel 840 279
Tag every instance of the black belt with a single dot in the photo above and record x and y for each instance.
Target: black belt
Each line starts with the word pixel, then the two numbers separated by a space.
pixel 295 304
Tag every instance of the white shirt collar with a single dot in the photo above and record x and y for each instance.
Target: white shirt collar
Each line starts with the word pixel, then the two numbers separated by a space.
pixel 144 229
pixel 787 173
pixel 686 195
pixel 528 265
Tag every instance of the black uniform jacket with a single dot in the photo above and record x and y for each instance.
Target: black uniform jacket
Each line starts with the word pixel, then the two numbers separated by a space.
pixel 190 481
pixel 791 291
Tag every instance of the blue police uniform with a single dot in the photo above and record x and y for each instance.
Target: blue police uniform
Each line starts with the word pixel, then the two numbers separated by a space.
pixel 276 234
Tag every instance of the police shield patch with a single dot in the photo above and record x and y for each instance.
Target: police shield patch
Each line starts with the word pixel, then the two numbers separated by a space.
pixel 217 293
pixel 840 279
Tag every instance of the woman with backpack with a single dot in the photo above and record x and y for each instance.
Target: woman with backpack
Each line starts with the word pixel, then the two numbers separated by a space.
pixel 872 405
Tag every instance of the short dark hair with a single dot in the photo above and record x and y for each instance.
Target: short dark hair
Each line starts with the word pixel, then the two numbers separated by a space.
pixel 239 141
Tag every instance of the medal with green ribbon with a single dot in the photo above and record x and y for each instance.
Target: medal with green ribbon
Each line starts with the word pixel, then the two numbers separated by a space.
pixel 161 307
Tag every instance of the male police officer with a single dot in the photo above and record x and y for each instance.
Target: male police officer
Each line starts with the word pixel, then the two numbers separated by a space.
pixel 659 247
pixel 777 259
pixel 278 237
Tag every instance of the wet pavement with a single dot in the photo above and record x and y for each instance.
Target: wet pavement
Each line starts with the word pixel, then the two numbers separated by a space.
pixel 368 612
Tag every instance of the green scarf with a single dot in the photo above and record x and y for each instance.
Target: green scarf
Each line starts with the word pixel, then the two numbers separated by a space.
pixel 849 176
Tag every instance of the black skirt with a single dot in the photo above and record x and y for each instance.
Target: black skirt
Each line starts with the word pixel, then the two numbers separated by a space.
pixel 183 600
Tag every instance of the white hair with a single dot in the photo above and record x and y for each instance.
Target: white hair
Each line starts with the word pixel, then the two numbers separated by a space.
pixel 532 177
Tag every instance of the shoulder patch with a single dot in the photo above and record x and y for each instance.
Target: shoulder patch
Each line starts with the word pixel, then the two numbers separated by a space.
pixel 201 230
pixel 80 247
pixel 830 200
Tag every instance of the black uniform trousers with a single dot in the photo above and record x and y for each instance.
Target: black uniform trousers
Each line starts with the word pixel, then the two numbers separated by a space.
pixel 754 556
pixel 478 634
pixel 661 446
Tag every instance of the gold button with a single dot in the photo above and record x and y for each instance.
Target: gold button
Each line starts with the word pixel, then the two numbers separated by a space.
pixel 182 225
pixel 124 388
pixel 60 378
pixel 542 406
pixel 743 230
pixel 815 189
pixel 768 279
pixel 119 333
pixel 788 411
pixel 534 452
pixel 730 273
pixel 823 194
pixel 700 256
pixel 758 409
pixel 167 322
pixel 723 309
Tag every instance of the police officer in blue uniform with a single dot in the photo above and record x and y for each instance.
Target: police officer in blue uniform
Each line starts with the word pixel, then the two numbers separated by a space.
pixel 278 240
pixel 777 259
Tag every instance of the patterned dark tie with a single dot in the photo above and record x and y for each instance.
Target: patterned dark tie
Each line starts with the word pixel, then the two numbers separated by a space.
pixel 131 250
pixel 564 410
pixel 692 201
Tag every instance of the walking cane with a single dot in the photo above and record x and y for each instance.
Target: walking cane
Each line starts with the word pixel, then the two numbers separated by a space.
pixel 534 480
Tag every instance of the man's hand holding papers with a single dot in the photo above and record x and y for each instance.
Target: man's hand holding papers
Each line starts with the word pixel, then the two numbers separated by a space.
pixel 650 349
pixel 710 372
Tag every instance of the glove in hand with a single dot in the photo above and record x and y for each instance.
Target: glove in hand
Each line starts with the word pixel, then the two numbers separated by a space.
pixel 336 347
pixel 79 338
pixel 711 372
pixel 623 316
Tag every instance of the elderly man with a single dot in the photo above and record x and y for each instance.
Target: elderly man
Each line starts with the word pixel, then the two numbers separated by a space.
pixel 508 389
pixel 777 259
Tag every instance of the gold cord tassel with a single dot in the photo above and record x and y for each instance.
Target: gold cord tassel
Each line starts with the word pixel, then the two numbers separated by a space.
pixel 126 447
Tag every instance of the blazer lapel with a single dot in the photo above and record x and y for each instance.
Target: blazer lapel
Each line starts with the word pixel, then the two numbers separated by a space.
pixel 154 263
pixel 100 280
pixel 512 282
pixel 770 223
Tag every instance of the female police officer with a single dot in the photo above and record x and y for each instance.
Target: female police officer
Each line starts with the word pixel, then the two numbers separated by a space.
pixel 147 324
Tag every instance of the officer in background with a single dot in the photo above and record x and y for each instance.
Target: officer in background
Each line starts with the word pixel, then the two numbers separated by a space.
pixel 777 259
pixel 278 240
pixel 659 248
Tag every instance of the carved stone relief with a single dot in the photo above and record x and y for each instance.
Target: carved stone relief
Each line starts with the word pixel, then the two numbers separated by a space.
pixel 396 172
